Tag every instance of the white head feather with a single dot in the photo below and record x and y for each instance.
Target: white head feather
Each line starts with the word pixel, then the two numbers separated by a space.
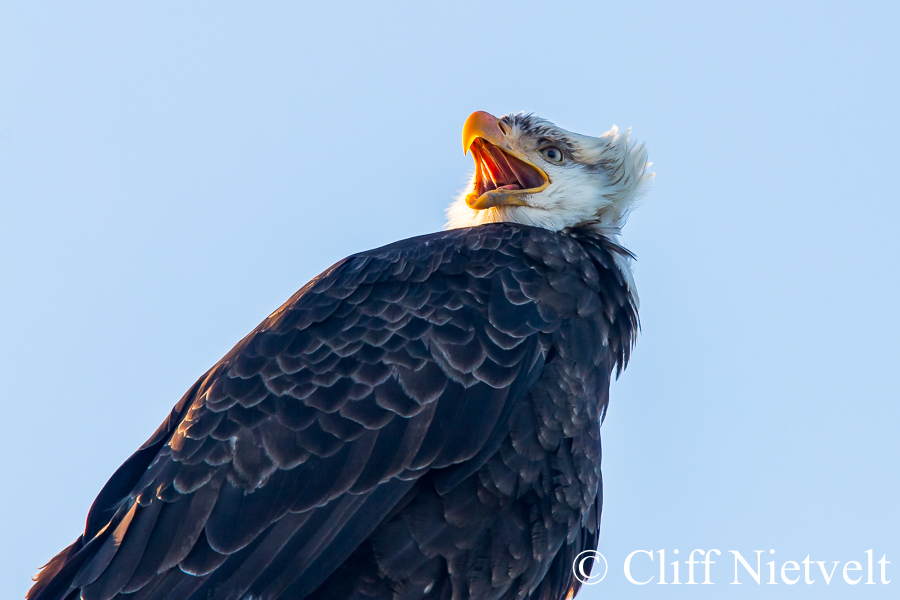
pixel 596 186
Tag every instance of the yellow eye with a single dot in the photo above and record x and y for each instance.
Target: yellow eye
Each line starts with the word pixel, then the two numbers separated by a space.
pixel 553 154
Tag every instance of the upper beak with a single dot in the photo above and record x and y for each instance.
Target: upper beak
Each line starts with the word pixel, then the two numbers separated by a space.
pixel 483 125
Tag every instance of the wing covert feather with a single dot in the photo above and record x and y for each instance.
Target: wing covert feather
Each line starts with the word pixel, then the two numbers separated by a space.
pixel 392 363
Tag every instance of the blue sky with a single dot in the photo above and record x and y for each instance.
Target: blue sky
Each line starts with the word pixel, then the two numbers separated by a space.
pixel 170 175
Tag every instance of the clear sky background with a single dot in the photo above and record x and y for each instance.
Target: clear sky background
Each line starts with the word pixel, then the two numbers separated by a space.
pixel 170 175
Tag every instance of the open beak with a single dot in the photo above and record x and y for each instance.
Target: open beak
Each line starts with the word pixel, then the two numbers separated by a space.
pixel 502 178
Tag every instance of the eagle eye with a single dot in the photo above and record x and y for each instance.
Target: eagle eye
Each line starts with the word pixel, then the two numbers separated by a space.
pixel 553 154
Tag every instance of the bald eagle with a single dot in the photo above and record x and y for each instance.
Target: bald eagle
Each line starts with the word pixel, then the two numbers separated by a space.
pixel 419 421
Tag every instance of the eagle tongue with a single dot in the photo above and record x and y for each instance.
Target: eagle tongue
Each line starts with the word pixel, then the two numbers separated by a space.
pixel 510 171
pixel 525 174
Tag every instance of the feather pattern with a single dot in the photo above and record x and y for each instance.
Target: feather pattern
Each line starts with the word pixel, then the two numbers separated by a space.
pixel 419 421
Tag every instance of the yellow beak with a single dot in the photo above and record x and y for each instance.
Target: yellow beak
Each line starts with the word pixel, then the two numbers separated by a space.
pixel 502 176
pixel 483 125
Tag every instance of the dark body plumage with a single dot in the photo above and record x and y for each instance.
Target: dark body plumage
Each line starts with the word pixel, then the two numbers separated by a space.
pixel 419 421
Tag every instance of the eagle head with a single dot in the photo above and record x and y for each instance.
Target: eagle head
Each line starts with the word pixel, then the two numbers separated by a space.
pixel 529 171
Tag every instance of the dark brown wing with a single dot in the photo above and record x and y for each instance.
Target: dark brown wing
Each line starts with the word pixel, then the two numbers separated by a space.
pixel 286 455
